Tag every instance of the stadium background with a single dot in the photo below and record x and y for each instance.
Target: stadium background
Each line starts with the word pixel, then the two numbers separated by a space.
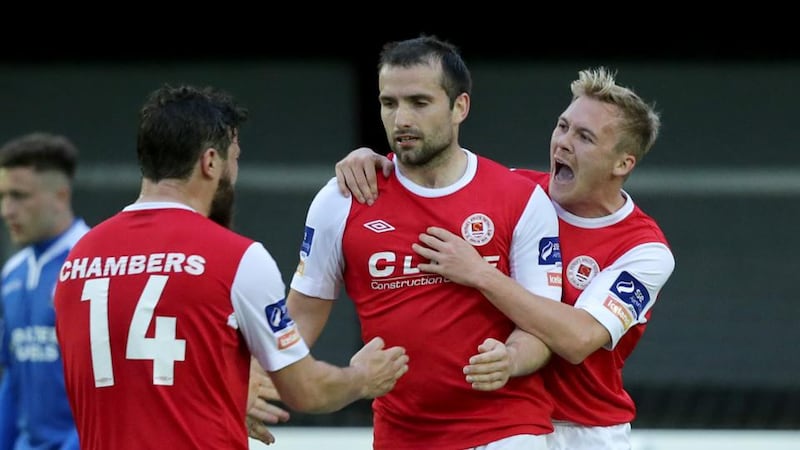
pixel 723 179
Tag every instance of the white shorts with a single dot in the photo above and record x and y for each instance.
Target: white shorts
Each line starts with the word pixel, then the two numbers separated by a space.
pixel 569 436
pixel 518 442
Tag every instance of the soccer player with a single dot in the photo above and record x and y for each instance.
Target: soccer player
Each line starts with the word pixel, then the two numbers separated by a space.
pixel 424 93
pixel 36 174
pixel 616 258
pixel 159 308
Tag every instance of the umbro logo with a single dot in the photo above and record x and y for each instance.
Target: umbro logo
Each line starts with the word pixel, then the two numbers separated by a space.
pixel 378 226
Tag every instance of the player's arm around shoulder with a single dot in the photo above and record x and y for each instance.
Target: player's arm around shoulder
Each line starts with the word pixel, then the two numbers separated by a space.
pixel 303 382
pixel 357 174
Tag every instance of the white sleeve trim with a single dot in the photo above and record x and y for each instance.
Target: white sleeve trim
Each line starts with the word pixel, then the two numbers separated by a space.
pixel 620 296
pixel 320 272
pixel 535 257
pixel 258 295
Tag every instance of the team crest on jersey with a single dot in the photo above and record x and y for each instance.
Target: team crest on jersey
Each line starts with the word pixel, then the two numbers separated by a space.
pixel 477 229
pixel 581 270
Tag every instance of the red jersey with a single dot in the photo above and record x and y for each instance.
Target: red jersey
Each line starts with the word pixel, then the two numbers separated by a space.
pixel 614 268
pixel 156 308
pixel 511 223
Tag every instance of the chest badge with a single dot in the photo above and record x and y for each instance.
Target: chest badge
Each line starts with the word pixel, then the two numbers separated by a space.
pixel 477 229
pixel 581 270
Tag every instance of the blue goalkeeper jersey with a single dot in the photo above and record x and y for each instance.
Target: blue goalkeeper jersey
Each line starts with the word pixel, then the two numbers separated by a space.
pixel 34 409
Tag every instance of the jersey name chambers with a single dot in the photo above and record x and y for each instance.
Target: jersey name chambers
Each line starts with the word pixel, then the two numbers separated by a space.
pixel 106 266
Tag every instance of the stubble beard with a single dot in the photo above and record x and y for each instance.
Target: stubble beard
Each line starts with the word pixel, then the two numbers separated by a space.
pixel 419 157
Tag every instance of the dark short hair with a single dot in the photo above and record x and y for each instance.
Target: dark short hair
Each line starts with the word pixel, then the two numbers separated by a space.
pixel 41 151
pixel 176 124
pixel 425 49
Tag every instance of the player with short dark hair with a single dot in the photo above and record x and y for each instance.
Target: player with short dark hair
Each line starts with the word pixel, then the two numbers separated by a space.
pixel 160 307
pixel 424 92
pixel 36 174
pixel 616 258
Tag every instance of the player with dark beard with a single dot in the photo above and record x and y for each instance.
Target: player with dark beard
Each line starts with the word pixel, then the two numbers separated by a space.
pixel 222 204
pixel 159 309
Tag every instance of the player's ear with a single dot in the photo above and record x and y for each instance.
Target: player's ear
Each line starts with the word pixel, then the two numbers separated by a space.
pixel 461 108
pixel 210 162
pixel 624 165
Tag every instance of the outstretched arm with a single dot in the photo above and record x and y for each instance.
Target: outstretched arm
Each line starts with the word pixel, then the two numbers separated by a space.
pixel 314 386
pixel 356 174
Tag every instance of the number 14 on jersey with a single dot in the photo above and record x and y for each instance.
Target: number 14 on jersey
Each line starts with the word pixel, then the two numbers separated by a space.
pixel 163 349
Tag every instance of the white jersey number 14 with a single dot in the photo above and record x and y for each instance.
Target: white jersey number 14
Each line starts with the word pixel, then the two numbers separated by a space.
pixel 163 349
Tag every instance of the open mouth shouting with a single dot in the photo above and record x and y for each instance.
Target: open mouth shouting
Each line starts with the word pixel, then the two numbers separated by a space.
pixel 562 172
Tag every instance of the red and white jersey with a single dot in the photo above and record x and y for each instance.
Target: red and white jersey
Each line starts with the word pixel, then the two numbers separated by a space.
pixel 157 312
pixel 511 223
pixel 614 268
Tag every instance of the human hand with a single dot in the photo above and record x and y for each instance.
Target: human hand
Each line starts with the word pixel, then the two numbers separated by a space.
pixel 382 367
pixel 259 411
pixel 356 173
pixel 490 368
pixel 450 256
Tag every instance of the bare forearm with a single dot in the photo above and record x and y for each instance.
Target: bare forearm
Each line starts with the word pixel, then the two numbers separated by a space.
pixel 569 332
pixel 527 353
pixel 309 313
pixel 318 387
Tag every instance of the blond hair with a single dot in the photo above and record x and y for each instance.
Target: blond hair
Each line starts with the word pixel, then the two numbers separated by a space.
pixel 639 121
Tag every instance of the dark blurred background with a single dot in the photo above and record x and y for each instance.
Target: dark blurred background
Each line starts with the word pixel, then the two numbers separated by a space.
pixel 723 180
